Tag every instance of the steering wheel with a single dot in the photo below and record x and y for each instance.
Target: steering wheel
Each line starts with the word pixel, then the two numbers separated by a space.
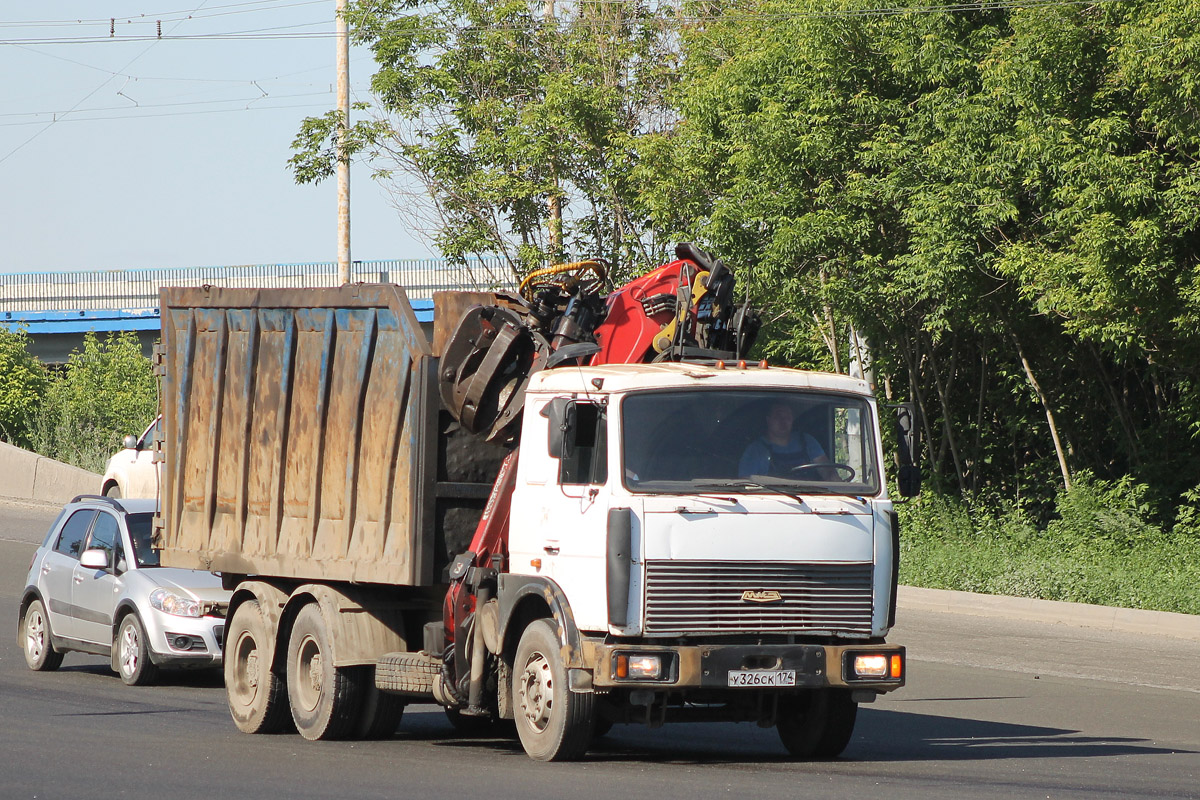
pixel 846 468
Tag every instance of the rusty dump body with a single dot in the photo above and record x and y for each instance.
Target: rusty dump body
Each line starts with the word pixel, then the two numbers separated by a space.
pixel 303 437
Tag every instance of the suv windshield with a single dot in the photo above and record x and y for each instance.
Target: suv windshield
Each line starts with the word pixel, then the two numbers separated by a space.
pixel 141 528
pixel 748 441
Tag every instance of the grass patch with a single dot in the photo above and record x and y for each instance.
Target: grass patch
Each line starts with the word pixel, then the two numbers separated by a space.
pixel 1099 548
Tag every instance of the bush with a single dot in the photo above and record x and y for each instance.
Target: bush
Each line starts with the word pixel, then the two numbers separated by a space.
pixel 106 392
pixel 1101 548
pixel 23 381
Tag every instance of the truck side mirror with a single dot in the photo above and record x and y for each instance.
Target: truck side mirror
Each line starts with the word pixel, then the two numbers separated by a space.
pixel 909 477
pixel 561 413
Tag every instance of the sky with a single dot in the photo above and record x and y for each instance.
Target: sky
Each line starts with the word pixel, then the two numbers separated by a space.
pixel 120 150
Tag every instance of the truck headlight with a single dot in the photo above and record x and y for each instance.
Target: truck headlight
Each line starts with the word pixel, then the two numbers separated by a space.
pixel 177 605
pixel 875 666
pixel 870 666
pixel 634 666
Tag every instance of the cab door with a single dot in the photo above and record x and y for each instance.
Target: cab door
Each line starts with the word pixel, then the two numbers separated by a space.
pixel 575 538
pixel 94 591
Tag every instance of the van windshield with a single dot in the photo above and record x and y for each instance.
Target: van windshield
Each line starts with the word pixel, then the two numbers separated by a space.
pixel 748 441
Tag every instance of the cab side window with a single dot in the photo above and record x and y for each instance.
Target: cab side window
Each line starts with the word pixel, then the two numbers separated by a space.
pixel 587 462
pixel 105 535
pixel 70 539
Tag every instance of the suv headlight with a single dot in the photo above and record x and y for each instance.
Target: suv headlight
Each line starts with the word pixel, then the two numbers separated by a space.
pixel 177 605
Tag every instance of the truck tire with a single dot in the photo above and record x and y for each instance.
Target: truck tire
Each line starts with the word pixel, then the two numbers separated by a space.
pixel 40 654
pixel 553 723
pixel 381 711
pixel 817 724
pixel 325 700
pixel 255 693
pixel 133 655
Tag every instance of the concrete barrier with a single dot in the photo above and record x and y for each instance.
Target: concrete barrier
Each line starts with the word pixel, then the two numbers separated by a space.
pixel 29 476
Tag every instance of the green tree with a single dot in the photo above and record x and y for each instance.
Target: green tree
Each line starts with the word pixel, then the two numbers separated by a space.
pixel 107 391
pixel 516 119
pixel 22 383
pixel 1002 202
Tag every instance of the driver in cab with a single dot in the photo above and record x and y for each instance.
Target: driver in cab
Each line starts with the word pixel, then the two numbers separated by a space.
pixel 780 451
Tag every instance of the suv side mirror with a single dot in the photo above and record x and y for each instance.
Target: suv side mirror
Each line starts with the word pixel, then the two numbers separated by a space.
pixel 561 413
pixel 909 477
pixel 94 559
pixel 130 442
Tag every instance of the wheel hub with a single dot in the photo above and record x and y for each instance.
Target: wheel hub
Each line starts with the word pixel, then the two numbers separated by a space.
pixel 537 692
pixel 252 670
pixel 311 673
pixel 129 650
pixel 35 636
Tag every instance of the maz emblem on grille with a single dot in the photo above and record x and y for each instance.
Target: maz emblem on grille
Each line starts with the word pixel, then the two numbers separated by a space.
pixel 749 596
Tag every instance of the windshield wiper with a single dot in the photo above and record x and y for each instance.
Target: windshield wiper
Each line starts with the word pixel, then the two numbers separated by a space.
pixel 743 483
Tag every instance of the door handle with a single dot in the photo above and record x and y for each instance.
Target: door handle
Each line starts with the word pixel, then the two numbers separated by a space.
pixel 78 578
pixel 551 549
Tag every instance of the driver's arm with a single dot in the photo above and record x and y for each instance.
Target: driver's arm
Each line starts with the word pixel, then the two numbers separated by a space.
pixel 756 460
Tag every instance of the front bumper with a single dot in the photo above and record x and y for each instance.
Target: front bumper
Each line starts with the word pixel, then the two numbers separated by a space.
pixel 186 641
pixel 708 666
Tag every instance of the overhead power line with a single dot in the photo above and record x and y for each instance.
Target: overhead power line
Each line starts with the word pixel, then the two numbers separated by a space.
pixel 165 16
pixel 280 32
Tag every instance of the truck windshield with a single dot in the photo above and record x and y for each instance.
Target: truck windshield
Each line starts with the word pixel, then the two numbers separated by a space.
pixel 748 441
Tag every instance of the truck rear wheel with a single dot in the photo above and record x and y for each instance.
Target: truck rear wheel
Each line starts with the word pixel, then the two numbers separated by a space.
pixel 325 700
pixel 553 723
pixel 817 724
pixel 256 697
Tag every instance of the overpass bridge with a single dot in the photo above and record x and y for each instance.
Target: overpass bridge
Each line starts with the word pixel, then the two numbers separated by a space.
pixel 58 308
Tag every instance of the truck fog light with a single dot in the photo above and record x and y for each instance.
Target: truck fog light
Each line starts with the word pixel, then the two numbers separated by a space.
pixel 871 666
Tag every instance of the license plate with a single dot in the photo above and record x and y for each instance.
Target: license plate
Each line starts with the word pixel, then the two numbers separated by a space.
pixel 762 677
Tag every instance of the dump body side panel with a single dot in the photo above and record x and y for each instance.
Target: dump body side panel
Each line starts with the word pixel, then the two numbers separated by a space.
pixel 300 434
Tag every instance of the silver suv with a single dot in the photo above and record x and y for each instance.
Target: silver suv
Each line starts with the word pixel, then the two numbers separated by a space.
pixel 95 586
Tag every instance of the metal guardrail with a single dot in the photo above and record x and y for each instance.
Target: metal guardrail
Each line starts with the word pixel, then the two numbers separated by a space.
pixel 138 288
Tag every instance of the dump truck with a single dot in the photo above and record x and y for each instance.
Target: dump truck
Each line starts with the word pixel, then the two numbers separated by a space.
pixel 553 510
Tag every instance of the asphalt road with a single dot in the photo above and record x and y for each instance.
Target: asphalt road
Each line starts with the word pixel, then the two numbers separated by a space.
pixel 993 708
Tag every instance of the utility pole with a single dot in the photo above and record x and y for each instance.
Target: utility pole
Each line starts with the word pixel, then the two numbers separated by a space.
pixel 343 169
pixel 555 204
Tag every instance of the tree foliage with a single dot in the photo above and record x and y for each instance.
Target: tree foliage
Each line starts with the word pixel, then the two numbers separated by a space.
pixel 516 118
pixel 22 384
pixel 1003 202
pixel 107 391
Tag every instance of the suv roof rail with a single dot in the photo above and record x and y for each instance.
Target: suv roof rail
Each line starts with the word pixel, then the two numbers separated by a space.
pixel 98 498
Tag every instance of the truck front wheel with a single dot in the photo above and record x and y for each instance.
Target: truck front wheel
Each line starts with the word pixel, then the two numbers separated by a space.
pixel 325 700
pixel 817 724
pixel 553 723
pixel 257 701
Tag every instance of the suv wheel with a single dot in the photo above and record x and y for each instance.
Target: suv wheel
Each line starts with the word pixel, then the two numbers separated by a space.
pixel 133 655
pixel 40 654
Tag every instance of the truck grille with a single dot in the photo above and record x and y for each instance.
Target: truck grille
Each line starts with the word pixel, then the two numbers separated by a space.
pixel 685 597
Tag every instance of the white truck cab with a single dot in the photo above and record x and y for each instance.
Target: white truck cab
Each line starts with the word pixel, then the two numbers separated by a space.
pixel 660 503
